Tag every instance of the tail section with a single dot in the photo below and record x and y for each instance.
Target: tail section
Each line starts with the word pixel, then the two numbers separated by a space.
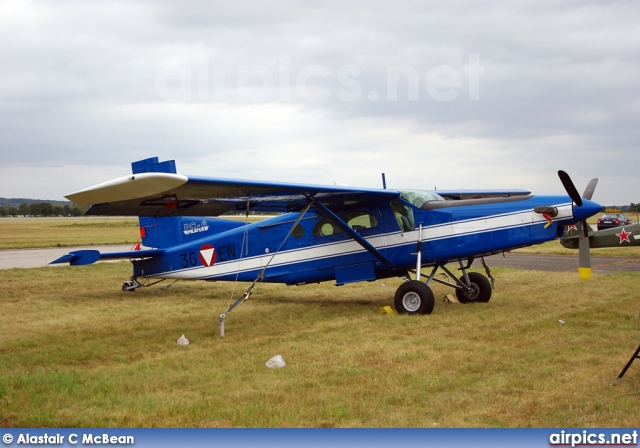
pixel 175 230
pixel 165 232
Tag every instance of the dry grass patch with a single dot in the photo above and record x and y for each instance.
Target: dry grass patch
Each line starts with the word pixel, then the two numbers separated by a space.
pixel 76 351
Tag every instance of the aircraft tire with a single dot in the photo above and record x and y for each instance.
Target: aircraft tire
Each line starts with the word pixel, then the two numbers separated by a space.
pixel 414 297
pixel 481 289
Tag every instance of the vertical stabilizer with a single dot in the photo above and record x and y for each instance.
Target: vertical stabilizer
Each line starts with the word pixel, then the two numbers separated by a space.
pixel 162 232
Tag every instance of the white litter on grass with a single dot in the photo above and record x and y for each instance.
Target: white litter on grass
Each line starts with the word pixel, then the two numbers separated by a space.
pixel 561 321
pixel 182 340
pixel 276 362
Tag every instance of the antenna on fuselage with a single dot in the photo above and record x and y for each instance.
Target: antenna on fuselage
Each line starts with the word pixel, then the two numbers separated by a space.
pixel 384 182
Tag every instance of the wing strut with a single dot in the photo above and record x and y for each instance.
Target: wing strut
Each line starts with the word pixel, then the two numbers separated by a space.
pixel 260 276
pixel 352 233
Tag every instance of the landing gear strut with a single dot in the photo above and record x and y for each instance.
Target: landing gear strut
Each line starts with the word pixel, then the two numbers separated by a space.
pixel 470 287
pixel 416 297
pixel 479 289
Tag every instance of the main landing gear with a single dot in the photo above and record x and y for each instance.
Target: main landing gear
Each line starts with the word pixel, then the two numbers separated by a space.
pixel 416 297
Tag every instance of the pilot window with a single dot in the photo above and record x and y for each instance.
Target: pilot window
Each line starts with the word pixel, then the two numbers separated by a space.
pixel 404 216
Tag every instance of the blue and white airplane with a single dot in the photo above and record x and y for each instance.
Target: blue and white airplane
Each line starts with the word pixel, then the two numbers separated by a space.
pixel 323 233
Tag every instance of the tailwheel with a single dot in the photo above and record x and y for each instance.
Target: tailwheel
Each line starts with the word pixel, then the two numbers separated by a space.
pixel 479 289
pixel 131 285
pixel 414 297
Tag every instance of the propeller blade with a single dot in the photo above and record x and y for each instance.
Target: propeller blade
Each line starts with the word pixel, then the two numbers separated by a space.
pixel 584 255
pixel 588 192
pixel 570 188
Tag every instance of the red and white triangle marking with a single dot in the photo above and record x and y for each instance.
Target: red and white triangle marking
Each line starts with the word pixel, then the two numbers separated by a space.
pixel 208 255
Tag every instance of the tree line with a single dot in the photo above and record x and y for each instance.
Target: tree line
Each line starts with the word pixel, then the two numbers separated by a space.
pixel 632 208
pixel 41 209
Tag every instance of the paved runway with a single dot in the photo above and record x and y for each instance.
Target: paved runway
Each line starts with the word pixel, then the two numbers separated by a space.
pixel 30 258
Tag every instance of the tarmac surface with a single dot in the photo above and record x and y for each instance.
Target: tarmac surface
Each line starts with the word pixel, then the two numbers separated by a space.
pixel 32 258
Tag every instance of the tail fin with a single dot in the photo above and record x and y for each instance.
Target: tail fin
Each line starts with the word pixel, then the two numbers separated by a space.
pixel 175 230
pixel 153 234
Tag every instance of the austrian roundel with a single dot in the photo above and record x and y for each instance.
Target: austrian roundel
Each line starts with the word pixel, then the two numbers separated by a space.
pixel 207 255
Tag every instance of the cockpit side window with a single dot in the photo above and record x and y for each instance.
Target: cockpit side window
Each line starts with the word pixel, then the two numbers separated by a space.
pixel 404 216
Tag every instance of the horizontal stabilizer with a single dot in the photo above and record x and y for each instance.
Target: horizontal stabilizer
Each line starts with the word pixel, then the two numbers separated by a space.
pixel 82 257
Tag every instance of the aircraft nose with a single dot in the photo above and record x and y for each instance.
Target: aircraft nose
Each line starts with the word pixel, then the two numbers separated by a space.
pixel 587 209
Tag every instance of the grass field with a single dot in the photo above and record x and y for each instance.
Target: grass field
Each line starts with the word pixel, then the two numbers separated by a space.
pixel 27 233
pixel 78 352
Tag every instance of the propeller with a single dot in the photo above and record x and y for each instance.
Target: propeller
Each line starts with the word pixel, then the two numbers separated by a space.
pixel 584 255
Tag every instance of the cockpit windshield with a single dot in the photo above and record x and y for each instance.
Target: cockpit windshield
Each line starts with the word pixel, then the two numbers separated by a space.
pixel 418 197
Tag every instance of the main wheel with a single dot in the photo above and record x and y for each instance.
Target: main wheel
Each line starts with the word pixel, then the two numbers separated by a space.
pixel 414 297
pixel 480 289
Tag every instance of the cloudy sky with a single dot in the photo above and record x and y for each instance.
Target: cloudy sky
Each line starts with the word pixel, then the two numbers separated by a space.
pixel 446 95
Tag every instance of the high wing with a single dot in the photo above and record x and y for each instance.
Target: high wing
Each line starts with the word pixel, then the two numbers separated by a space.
pixel 161 194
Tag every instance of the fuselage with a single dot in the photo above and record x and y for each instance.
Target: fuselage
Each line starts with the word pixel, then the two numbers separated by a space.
pixel 311 248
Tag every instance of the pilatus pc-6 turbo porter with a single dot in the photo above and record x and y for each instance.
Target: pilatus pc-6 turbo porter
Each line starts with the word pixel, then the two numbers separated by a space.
pixel 323 233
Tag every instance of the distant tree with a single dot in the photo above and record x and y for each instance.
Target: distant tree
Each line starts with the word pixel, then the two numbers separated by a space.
pixel 3 211
pixel 57 210
pixel 77 211
pixel 25 209
pixel 12 211
pixel 42 209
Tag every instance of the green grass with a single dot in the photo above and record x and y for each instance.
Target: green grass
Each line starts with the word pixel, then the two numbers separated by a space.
pixel 78 352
